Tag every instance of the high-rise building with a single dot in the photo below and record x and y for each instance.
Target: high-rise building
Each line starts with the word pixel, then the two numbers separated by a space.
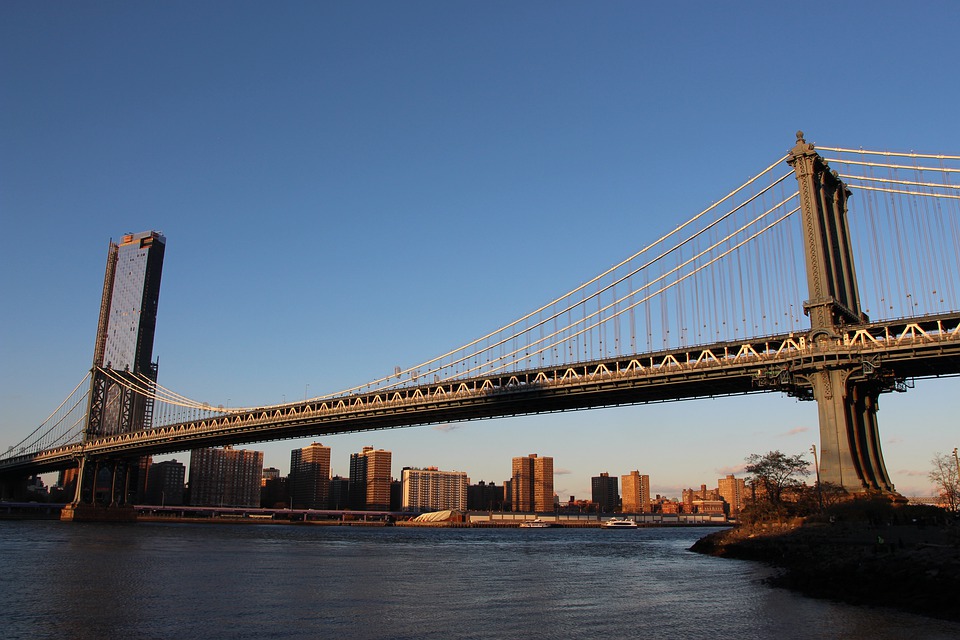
pixel 269 473
pixel 309 480
pixel 273 489
pixel 605 493
pixel 484 497
pixel 225 477
pixel 128 318
pixel 433 490
pixel 531 484
pixel 370 479
pixel 339 493
pixel 636 493
pixel 733 491
pixel 165 483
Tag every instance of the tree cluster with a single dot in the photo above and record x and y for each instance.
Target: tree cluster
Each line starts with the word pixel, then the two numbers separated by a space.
pixel 777 490
pixel 945 475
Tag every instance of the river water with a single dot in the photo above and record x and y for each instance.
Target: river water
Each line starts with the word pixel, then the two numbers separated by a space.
pixel 195 581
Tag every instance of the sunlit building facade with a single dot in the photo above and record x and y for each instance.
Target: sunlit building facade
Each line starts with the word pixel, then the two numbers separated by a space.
pixel 531 484
pixel 733 491
pixel 309 480
pixel 370 479
pixel 433 490
pixel 636 492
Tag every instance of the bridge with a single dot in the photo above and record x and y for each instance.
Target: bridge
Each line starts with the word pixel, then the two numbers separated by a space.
pixel 787 284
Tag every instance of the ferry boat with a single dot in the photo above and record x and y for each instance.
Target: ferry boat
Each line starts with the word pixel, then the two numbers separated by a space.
pixel 619 523
pixel 536 523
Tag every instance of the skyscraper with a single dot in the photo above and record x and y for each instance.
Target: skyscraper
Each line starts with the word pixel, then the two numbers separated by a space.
pixel 128 319
pixel 604 492
pixel 122 361
pixel 531 485
pixel 225 477
pixel 370 479
pixel 733 490
pixel 433 490
pixel 164 483
pixel 636 493
pixel 309 479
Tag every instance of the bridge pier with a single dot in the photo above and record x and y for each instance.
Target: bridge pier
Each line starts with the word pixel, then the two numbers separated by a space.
pixel 850 454
pixel 846 393
pixel 85 506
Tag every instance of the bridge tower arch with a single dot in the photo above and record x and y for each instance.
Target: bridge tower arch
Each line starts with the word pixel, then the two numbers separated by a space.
pixel 846 392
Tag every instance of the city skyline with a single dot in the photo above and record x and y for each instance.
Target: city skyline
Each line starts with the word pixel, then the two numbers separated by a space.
pixel 310 468
pixel 351 191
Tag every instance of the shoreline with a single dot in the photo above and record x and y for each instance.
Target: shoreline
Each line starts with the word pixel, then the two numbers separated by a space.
pixel 911 566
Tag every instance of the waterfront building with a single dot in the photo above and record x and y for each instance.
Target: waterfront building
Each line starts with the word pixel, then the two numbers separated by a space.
pixel 269 473
pixel 309 479
pixel 605 492
pixel 433 490
pixel 396 494
pixel 164 483
pixel 690 495
pixel 225 477
pixel 370 479
pixel 531 484
pixel 274 493
pixel 669 506
pixel 711 507
pixel 733 491
pixel 484 497
pixel 636 493
pixel 339 493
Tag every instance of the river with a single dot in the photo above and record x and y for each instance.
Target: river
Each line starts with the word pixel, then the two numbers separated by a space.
pixel 196 581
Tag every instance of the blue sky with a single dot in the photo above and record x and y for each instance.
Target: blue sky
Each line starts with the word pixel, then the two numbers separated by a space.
pixel 348 187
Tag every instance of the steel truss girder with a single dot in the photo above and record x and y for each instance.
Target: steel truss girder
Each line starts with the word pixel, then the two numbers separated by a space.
pixel 916 348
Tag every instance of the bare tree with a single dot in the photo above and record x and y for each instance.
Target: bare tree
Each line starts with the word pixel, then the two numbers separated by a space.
pixel 945 475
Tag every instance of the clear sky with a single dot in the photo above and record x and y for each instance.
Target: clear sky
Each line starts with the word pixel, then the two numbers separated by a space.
pixel 347 187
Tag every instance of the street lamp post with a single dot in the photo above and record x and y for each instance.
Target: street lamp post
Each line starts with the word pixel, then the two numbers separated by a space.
pixel 956 461
pixel 816 466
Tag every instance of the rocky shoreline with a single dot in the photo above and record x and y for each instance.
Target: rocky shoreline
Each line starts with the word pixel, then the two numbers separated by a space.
pixel 906 560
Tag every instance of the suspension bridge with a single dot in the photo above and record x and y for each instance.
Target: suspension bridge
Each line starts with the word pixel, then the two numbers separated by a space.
pixel 830 276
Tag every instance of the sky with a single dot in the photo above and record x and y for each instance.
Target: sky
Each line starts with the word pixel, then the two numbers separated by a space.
pixel 350 187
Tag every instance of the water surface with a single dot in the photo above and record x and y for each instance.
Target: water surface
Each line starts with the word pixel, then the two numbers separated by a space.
pixel 70 580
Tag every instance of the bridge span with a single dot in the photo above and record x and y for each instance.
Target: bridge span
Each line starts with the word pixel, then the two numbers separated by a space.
pixel 717 300
pixel 888 355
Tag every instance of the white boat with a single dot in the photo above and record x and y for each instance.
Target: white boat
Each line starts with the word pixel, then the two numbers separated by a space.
pixel 536 523
pixel 619 523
